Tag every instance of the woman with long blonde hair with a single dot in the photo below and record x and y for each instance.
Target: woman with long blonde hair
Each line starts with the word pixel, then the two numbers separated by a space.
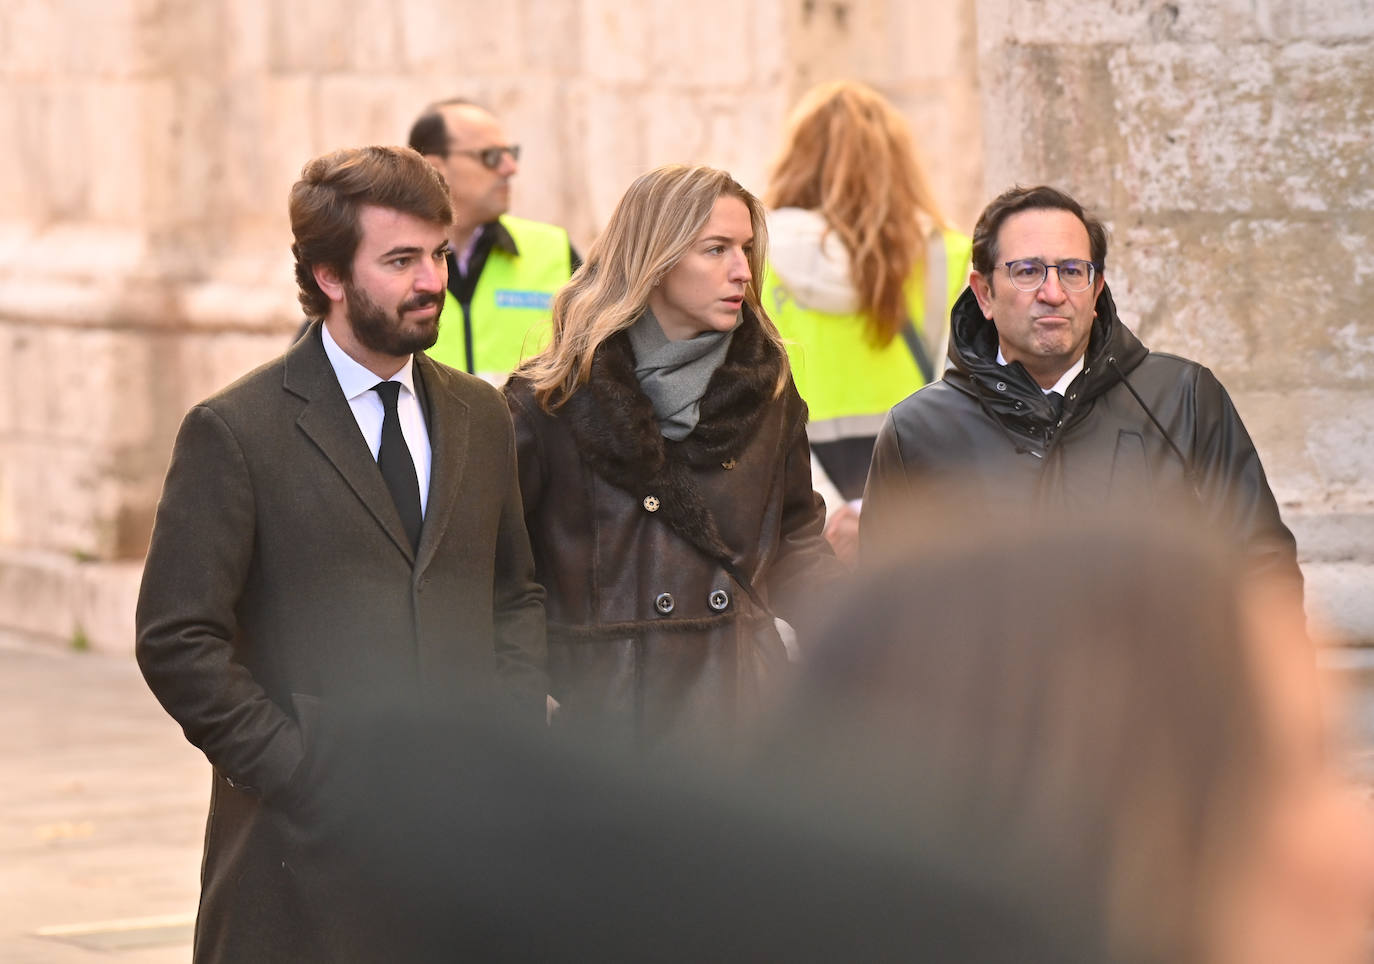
pixel 665 471
pixel 863 271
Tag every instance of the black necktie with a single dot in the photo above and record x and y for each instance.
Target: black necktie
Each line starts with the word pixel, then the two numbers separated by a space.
pixel 1057 403
pixel 398 468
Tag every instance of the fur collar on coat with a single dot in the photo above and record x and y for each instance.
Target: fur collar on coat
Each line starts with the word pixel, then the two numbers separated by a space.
pixel 613 423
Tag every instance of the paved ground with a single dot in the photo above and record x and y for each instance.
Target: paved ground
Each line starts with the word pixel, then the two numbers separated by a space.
pixel 102 807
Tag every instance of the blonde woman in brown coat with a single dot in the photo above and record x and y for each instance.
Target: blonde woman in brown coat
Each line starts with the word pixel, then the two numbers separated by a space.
pixel 665 470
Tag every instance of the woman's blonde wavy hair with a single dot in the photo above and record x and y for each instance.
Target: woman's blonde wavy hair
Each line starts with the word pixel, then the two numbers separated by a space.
pixel 650 230
pixel 849 155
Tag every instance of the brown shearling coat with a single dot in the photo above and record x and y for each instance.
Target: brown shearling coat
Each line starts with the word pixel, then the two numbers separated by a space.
pixel 644 545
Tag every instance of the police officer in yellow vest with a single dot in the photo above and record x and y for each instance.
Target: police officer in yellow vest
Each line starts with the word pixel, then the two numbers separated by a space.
pixel 503 271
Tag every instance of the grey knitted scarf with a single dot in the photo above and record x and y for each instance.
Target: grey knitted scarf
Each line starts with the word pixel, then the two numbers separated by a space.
pixel 674 374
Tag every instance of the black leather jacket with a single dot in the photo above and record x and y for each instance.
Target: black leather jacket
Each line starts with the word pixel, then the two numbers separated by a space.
pixel 1138 428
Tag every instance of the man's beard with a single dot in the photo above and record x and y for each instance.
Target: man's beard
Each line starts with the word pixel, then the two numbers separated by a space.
pixel 383 332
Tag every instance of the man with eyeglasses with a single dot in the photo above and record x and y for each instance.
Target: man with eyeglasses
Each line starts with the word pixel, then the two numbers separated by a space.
pixel 503 271
pixel 1048 399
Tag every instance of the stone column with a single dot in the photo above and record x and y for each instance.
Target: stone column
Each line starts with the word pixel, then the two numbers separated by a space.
pixel 1227 143
pixel 120 194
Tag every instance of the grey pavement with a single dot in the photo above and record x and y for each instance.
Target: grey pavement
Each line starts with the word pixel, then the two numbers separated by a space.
pixel 102 807
pixel 102 811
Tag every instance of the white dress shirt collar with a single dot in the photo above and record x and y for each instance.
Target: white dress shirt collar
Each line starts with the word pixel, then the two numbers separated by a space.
pixel 354 379
pixel 357 384
pixel 1065 379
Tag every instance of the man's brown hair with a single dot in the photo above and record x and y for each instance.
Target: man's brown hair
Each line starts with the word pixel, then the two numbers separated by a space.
pixel 1017 199
pixel 333 188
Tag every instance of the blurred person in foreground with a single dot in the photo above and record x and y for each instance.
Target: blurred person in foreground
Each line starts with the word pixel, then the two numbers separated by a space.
pixel 1121 757
pixel 1050 401
pixel 522 850
pixel 1112 725
pixel 503 271
pixel 665 471
pixel 863 268
pixel 339 542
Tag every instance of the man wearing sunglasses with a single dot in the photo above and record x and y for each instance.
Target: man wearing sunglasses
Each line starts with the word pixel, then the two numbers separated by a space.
pixel 1049 400
pixel 503 271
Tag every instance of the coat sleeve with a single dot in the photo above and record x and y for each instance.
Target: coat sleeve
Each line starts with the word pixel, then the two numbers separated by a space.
pixel 1232 485
pixel 521 652
pixel 186 620
pixel 888 495
pixel 806 575
pixel 529 457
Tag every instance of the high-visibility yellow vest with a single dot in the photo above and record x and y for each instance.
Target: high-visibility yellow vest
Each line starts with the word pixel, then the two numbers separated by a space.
pixel 507 320
pixel 848 382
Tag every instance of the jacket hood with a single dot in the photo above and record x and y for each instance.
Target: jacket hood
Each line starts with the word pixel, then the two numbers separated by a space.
pixel 1113 350
pixel 811 261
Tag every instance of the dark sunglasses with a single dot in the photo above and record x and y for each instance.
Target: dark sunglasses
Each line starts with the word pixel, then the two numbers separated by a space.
pixel 490 157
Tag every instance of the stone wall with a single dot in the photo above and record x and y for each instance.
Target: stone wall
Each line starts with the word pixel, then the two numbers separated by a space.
pixel 1228 144
pixel 144 254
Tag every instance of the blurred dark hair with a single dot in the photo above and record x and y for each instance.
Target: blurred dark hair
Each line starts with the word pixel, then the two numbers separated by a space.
pixel 1066 707
pixel 1018 199
pixel 429 133
pixel 332 189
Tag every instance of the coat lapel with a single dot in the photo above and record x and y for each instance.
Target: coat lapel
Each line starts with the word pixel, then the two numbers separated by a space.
pixel 329 423
pixel 447 415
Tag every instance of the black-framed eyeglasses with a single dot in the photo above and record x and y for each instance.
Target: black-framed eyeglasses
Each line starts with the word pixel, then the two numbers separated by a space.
pixel 490 157
pixel 1029 274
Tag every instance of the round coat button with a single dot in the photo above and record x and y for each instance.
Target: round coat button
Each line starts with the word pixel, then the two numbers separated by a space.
pixel 718 600
pixel 651 503
pixel 664 602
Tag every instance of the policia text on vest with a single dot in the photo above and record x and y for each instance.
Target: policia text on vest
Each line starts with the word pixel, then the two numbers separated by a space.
pixel 504 318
